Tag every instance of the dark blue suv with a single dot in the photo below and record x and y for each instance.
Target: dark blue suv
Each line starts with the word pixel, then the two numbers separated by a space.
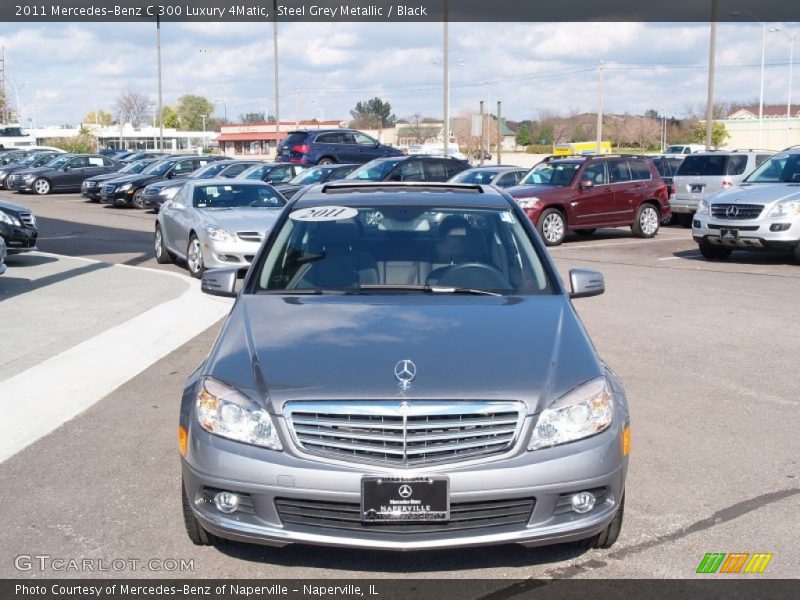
pixel 330 146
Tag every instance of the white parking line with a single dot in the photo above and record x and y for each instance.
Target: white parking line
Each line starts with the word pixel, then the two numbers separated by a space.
pixel 37 401
pixel 580 245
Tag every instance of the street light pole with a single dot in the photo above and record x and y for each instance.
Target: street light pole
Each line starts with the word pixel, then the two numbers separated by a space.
pixel 712 61
pixel 791 37
pixel 160 89
pixel 446 75
pixel 225 106
pixel 204 133
pixel 600 109
pixel 19 106
pixel 277 86
pixel 761 93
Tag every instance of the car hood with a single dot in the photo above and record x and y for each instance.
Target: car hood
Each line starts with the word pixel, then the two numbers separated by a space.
pixel 136 178
pixel 534 189
pixel 346 347
pixel 105 177
pixel 166 183
pixel 241 219
pixel 757 193
pixel 13 207
pixel 35 171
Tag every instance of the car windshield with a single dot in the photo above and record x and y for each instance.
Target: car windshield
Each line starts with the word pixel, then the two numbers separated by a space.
pixel 135 167
pixel 403 248
pixel 481 176
pixel 552 173
pixel 57 162
pixel 781 168
pixel 703 164
pixel 310 176
pixel 158 168
pixel 674 150
pixel 235 195
pixel 33 158
pixel 256 172
pixel 375 170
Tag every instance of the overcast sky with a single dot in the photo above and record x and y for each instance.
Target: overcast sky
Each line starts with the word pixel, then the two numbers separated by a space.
pixel 70 68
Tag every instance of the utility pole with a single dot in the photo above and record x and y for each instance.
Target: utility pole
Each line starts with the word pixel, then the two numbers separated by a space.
pixel 600 108
pixel 4 114
pixel 712 52
pixel 160 89
pixel 480 152
pixel 499 134
pixel 277 85
pixel 297 109
pixel 446 99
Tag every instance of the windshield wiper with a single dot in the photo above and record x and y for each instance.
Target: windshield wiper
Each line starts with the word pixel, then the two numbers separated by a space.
pixel 431 289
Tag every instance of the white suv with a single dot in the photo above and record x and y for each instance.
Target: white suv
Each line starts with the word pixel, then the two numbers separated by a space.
pixel 762 212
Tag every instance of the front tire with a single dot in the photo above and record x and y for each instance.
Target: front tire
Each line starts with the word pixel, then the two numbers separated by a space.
pixel 195 531
pixel 194 257
pixel 609 536
pixel 41 187
pixel 138 199
pixel 646 223
pixel 711 252
pixel 163 256
pixel 552 227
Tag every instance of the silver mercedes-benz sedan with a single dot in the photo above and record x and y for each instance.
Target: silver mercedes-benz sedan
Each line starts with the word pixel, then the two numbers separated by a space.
pixel 403 369
pixel 216 223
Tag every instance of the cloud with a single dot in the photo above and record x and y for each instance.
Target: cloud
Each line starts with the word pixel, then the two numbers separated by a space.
pixel 71 68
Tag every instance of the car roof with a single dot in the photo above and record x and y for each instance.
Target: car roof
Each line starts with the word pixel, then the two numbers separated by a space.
pixel 356 193
pixel 497 167
pixel 224 181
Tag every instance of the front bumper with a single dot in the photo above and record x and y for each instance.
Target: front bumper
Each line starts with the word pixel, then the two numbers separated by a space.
pixel 18 239
pixel 543 476
pixel 118 198
pixel 219 255
pixel 93 193
pixel 753 234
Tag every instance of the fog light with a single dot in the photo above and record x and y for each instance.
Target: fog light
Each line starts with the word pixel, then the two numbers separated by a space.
pixel 779 226
pixel 583 502
pixel 697 224
pixel 228 502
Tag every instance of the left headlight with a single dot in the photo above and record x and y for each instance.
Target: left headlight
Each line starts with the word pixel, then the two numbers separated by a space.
pixel 10 219
pixel 125 187
pixel 3 174
pixel 704 208
pixel 219 235
pixel 526 203
pixel 585 411
pixel 786 208
pixel 226 412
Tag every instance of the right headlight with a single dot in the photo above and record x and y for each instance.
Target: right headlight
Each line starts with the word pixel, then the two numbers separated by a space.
pixel 704 208
pixel 225 411
pixel 786 208
pixel 585 411
pixel 7 218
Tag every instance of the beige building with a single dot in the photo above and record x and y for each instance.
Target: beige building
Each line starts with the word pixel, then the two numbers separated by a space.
pixel 777 133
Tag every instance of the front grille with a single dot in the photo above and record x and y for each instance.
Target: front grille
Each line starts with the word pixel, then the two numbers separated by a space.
pixel 109 188
pixel 249 236
pixel 407 433
pixel 27 219
pixel 742 211
pixel 151 192
pixel 513 513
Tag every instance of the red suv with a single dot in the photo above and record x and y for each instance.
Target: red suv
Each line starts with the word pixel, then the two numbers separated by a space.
pixel 583 193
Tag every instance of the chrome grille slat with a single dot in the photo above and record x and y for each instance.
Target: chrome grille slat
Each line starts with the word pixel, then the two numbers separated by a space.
pixel 27 219
pixel 249 236
pixel 744 211
pixel 411 433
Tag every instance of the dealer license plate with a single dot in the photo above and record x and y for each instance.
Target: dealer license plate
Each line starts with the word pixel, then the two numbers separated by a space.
pixel 411 499
pixel 729 234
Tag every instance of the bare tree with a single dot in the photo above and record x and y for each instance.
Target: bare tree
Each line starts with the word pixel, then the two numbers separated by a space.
pixel 132 107
pixel 418 130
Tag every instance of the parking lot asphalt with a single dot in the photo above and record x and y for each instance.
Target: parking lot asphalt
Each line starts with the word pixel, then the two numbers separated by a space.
pixel 707 352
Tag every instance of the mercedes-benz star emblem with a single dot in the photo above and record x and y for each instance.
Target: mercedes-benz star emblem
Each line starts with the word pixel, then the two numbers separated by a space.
pixel 405 491
pixel 405 371
pixel 733 211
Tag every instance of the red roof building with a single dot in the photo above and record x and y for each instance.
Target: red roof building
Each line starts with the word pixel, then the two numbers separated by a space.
pixel 258 139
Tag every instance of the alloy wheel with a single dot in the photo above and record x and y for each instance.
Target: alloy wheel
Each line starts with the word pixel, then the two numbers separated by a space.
pixel 553 227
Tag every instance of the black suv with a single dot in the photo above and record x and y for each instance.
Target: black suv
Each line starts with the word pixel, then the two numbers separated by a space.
pixel 17 227
pixel 329 146
pixel 418 167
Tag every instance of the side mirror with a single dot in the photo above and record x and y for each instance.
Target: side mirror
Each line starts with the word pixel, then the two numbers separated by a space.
pixel 65 168
pixel 586 184
pixel 586 283
pixel 220 282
